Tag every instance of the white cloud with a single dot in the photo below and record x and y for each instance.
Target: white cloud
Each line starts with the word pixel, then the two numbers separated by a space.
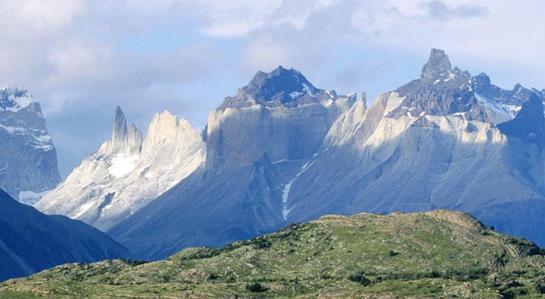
pixel 74 53
pixel 40 15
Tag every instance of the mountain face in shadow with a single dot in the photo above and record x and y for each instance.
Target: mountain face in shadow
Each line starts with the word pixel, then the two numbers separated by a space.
pixel 31 241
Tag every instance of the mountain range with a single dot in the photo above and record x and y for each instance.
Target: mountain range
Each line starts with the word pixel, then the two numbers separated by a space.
pixel 283 151
pixel 127 171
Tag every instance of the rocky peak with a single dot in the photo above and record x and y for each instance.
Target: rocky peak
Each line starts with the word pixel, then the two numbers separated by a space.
pixel 482 80
pixel 13 99
pixel 509 100
pixel 529 124
pixel 119 131
pixel 28 159
pixel 124 137
pixel 441 90
pixel 437 68
pixel 167 127
pixel 281 87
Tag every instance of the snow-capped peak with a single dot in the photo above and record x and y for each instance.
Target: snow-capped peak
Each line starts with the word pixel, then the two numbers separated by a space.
pixel 13 99
pixel 28 163
pixel 128 171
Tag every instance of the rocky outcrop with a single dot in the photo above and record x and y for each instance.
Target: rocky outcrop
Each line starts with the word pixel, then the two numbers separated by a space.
pixel 28 159
pixel 127 172
pixel 279 114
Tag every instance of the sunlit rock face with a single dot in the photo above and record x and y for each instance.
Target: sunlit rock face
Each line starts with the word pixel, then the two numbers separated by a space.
pixel 445 140
pixel 128 171
pixel 279 114
pixel 257 141
pixel 28 159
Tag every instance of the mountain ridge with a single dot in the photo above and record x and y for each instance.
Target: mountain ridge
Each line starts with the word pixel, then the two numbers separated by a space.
pixel 128 171
pixel 32 241
pixel 429 144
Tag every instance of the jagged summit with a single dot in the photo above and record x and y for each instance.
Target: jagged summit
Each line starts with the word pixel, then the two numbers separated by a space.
pixel 446 90
pixel 438 67
pixel 119 131
pixel 508 101
pixel 128 171
pixel 14 99
pixel 281 86
pixel 124 137
pixel 529 124
pixel 257 120
pixel 441 90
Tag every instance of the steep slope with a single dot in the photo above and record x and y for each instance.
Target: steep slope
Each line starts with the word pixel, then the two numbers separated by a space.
pixel 446 140
pixel 28 159
pixel 256 141
pixel 279 113
pixel 31 241
pixel 127 172
pixel 422 255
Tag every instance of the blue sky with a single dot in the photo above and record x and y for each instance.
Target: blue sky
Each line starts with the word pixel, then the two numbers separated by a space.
pixel 81 58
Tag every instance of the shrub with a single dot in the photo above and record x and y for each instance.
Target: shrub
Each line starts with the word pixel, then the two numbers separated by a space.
pixel 359 277
pixel 393 253
pixel 262 243
pixel 256 287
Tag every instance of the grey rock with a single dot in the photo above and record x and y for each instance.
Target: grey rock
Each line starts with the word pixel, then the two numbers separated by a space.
pixel 263 118
pixel 446 140
pixel 529 124
pixel 28 159
pixel 255 145
pixel 437 68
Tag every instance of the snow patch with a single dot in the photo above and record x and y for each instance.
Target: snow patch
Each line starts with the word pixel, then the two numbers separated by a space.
pixel 30 197
pixel 83 208
pixel 296 94
pixel 498 113
pixel 307 89
pixel 14 100
pixel 451 76
pixel 123 164
pixel 286 192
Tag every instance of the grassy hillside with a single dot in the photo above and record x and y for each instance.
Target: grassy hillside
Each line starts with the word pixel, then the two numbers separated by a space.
pixel 432 254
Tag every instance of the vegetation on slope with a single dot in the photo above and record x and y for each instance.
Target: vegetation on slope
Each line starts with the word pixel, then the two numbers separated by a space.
pixel 432 254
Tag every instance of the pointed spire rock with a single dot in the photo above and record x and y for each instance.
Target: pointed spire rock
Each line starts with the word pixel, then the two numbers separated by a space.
pixel 125 137
pixel 119 131
pixel 437 67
